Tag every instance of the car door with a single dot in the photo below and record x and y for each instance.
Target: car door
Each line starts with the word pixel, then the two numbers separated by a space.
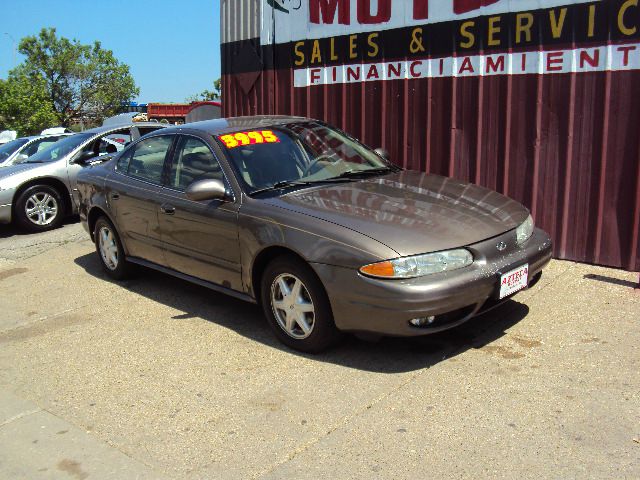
pixel 133 193
pixel 200 238
pixel 99 146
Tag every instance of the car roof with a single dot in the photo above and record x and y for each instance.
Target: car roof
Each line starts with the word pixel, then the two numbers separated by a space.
pixel 233 124
pixel 123 125
pixel 65 134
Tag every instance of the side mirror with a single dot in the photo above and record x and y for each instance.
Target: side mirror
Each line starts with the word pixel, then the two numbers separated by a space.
pixel 83 157
pixel 382 152
pixel 206 190
pixel 102 158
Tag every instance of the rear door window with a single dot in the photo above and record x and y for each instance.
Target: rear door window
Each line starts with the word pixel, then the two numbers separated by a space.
pixel 148 157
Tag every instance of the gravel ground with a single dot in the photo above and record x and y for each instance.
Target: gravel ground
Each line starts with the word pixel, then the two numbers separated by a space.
pixel 157 378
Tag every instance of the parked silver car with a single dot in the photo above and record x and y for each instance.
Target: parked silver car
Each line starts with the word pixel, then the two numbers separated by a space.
pixel 22 148
pixel 39 192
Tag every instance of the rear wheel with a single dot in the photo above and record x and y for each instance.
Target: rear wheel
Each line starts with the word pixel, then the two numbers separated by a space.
pixel 296 306
pixel 39 208
pixel 110 250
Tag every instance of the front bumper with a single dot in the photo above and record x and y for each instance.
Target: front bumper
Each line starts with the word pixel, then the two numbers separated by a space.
pixel 365 304
pixel 6 197
pixel 5 213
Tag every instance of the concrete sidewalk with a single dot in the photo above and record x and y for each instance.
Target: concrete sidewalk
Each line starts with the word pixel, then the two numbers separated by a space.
pixel 157 378
pixel 38 444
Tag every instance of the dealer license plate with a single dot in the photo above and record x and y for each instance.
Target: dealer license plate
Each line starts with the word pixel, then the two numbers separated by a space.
pixel 514 280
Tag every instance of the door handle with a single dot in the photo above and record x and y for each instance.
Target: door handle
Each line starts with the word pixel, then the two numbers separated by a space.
pixel 115 195
pixel 167 209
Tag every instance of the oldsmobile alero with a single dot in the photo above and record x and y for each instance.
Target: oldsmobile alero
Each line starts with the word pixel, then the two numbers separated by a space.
pixel 322 231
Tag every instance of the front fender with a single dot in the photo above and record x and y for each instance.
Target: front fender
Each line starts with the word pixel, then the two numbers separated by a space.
pixel 316 241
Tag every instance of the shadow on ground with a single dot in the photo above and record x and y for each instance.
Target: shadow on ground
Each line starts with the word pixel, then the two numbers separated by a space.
pixel 12 230
pixel 612 280
pixel 388 355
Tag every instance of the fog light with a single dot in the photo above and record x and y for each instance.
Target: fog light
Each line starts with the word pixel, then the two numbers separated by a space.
pixel 422 321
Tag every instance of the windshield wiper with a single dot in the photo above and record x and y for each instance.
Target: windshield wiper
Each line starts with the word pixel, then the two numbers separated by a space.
pixel 369 171
pixel 296 183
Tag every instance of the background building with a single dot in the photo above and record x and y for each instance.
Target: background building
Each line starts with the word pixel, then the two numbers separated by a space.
pixel 538 99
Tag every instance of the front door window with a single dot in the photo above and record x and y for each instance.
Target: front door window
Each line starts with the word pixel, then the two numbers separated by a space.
pixel 193 161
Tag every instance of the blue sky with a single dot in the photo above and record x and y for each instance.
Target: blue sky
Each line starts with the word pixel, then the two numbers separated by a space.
pixel 171 46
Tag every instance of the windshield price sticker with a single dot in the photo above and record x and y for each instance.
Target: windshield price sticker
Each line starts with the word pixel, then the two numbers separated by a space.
pixel 240 139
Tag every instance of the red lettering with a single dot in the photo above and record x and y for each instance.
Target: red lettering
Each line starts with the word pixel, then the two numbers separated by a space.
pixel 315 75
pixel 373 72
pixel 328 10
pixel 466 66
pixel 414 74
pixel 364 12
pixel 592 61
pixel 554 61
pixel 495 65
pixel 420 9
pixel 523 62
pixel 463 6
pixel 396 71
pixel 335 74
pixel 353 74
pixel 625 54
pixel 441 66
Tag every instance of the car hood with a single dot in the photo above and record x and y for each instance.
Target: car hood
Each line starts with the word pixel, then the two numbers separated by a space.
pixel 410 212
pixel 12 170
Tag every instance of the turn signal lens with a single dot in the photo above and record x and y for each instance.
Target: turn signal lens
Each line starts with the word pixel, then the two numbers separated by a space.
pixel 420 265
pixel 382 269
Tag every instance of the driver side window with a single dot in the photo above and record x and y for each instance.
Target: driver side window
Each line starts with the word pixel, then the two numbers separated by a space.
pixel 193 161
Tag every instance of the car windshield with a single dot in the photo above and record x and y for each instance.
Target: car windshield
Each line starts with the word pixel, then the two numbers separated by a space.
pixel 59 149
pixel 11 147
pixel 298 154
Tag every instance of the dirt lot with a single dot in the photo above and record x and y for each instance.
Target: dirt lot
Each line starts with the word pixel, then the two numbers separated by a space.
pixel 157 378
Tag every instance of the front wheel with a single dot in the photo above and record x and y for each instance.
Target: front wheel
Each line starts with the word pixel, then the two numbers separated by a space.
pixel 110 250
pixel 39 208
pixel 296 306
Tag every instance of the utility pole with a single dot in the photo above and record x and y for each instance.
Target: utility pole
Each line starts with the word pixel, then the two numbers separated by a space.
pixel 13 43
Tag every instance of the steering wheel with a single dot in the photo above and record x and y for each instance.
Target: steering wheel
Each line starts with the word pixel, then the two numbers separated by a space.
pixel 321 158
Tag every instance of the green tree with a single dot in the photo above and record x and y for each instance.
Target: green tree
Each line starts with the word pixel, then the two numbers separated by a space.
pixel 208 95
pixel 25 105
pixel 81 80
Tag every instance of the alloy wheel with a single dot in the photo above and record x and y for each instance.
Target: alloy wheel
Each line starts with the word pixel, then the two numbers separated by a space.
pixel 292 306
pixel 108 248
pixel 41 208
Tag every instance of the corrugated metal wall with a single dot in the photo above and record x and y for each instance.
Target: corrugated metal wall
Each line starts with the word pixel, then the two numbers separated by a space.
pixel 565 145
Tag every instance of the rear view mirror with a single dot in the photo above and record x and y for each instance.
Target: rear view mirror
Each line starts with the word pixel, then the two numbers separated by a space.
pixel 382 152
pixel 206 190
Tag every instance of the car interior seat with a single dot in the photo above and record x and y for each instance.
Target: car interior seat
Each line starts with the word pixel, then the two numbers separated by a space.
pixel 198 166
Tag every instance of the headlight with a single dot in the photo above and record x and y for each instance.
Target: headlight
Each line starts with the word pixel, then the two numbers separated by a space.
pixel 524 231
pixel 419 265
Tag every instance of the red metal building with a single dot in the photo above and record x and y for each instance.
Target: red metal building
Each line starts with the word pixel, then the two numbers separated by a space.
pixel 536 99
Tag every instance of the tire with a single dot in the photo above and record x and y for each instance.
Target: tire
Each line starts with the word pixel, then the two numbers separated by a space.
pixel 308 326
pixel 110 251
pixel 39 208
